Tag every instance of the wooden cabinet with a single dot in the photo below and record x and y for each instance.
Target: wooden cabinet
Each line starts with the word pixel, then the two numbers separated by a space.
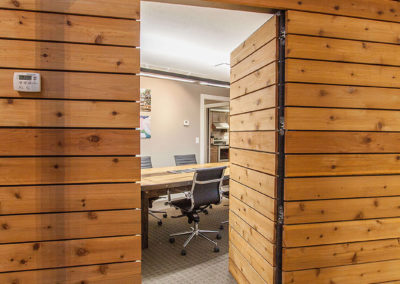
pixel 213 154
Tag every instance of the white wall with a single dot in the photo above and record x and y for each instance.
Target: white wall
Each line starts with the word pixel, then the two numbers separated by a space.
pixel 172 103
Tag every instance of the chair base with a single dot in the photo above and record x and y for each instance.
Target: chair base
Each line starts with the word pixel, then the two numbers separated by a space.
pixel 221 227
pixel 195 232
pixel 151 213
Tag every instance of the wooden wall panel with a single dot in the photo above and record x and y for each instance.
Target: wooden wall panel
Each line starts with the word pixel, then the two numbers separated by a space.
pixel 70 201
pixel 253 127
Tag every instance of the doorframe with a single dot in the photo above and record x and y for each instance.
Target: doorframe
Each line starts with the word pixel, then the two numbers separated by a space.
pixel 203 115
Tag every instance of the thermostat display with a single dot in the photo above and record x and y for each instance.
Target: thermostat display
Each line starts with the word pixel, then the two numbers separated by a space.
pixel 27 82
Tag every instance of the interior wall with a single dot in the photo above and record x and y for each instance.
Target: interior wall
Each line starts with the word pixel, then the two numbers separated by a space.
pixel 172 103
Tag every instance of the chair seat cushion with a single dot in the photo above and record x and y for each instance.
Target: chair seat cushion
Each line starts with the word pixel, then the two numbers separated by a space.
pixel 184 204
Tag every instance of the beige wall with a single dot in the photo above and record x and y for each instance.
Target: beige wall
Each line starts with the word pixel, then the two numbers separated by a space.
pixel 172 103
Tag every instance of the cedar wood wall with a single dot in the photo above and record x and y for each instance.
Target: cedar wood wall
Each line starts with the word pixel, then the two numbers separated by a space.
pixel 67 155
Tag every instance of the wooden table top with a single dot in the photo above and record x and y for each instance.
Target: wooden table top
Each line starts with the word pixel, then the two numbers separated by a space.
pixel 163 178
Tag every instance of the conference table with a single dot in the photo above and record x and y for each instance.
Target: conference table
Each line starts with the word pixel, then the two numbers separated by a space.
pixel 156 182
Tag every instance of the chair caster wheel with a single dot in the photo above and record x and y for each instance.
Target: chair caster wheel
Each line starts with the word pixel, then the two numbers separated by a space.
pixel 219 236
pixel 172 240
pixel 165 215
pixel 205 212
pixel 159 223
pixel 221 227
pixel 216 249
pixel 183 252
pixel 210 206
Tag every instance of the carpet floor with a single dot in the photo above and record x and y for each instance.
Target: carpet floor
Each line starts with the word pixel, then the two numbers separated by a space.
pixel 163 264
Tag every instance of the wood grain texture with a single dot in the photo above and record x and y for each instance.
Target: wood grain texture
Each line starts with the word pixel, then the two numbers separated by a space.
pixel 376 272
pixel 74 85
pixel 262 99
pixel 341 187
pixel 236 272
pixel 316 95
pixel 346 164
pixel 260 58
pixel 76 225
pixel 68 142
pixel 66 198
pixel 258 140
pixel 27 256
pixel 322 72
pixel 257 221
pixel 342 119
pixel 341 254
pixel 322 25
pixel 61 170
pixel 68 28
pixel 122 273
pixel 310 47
pixel 340 232
pixel 259 38
pixel 107 8
pixel 66 56
pixel 254 121
pixel 56 113
pixel 298 142
pixel 259 161
pixel 263 246
pixel 261 182
pixel 260 79
pixel 341 210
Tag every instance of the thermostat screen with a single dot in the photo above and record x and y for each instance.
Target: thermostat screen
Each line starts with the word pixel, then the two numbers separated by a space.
pixel 25 77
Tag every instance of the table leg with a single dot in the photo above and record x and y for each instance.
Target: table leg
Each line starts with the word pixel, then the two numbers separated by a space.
pixel 145 220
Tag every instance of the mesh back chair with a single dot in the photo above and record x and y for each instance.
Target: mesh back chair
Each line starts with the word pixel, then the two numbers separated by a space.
pixel 146 163
pixel 181 160
pixel 206 190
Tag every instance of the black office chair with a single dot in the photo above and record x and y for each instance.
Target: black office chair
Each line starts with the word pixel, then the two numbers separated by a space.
pixel 206 190
pixel 146 163
pixel 226 195
pixel 181 160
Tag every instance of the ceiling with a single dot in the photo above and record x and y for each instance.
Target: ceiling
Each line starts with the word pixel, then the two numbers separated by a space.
pixel 193 41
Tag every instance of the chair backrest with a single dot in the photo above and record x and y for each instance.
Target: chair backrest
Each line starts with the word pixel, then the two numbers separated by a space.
pixel 146 162
pixel 206 188
pixel 181 160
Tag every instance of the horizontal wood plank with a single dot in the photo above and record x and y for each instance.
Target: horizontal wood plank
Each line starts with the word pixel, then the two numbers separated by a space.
pixel 258 140
pixel 341 210
pixel 27 256
pixel 66 56
pixel 59 113
pixel 342 119
pixel 61 170
pixel 65 142
pixel 259 161
pixel 344 164
pixel 323 72
pixel 263 246
pixel 340 232
pixel 375 272
pixel 342 27
pixel 256 200
pixel 68 28
pixel 76 85
pixel 258 222
pixel 341 142
pixel 59 226
pixel 260 58
pixel 64 198
pixel 341 187
pixel 316 95
pixel 262 99
pixel 236 272
pixel 260 79
pixel 261 182
pixel 310 47
pixel 259 38
pixel 342 254
pixel 108 8
pixel 253 121
pixel 122 273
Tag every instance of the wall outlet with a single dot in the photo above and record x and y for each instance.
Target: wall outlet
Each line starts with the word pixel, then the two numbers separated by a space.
pixel 197 140
pixel 186 123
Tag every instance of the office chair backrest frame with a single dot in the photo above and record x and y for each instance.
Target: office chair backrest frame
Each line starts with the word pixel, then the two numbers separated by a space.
pixel 145 162
pixel 182 160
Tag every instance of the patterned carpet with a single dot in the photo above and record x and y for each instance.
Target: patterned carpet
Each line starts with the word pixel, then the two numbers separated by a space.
pixel 163 264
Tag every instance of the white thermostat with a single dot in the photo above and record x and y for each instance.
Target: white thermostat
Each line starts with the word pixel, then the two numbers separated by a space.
pixel 27 82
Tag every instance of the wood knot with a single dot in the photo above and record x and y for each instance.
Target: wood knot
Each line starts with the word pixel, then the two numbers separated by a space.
pixel 16 3
pixel 116 160
pixel 23 261
pixel 323 93
pixel 114 113
pixel 45 55
pixel 82 252
pixel 92 215
pixel 56 166
pixel 20 22
pixel 119 62
pixel 15 281
pixel 10 101
pixel 69 23
pixel 5 226
pixel 302 206
pixel 99 39
pixel 103 269
pixel 367 140
pixel 17 195
pixel 299 2
pixel 59 114
pixel 336 7
pixel 36 246
pixel 94 138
